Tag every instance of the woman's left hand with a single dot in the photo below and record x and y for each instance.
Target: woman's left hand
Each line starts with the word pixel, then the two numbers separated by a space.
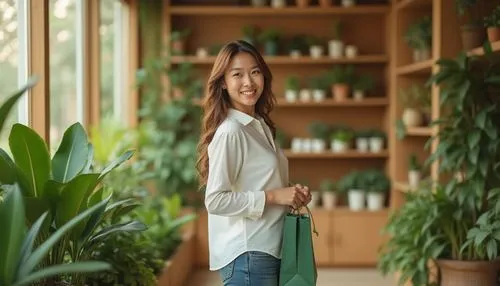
pixel 306 192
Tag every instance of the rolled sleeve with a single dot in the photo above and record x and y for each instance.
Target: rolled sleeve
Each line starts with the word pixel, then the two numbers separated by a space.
pixel 225 155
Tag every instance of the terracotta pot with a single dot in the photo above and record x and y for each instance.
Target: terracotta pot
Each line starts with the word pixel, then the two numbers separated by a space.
pixel 473 36
pixel 303 3
pixel 178 47
pixel 493 34
pixel 468 273
pixel 340 91
pixel 325 3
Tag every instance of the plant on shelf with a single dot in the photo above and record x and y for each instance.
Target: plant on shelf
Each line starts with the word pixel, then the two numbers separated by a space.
pixel 362 140
pixel 340 79
pixel 341 139
pixel 315 46
pixel 328 193
pixel 362 84
pixel 413 99
pixel 178 40
pixel 282 139
pixel 182 79
pixel 353 184
pixel 319 131
pixel 292 86
pixel 297 46
pixel 419 37
pixel 336 45
pixel 270 39
pixel 414 171
pixel 470 13
pixel 376 140
pixel 250 34
pixel 460 222
pixel 492 24
pixel 377 187
pixel 319 86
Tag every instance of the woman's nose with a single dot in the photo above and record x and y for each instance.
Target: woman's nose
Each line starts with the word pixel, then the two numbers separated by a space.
pixel 247 80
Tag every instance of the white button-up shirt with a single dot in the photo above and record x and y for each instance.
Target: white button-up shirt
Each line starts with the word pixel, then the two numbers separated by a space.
pixel 244 161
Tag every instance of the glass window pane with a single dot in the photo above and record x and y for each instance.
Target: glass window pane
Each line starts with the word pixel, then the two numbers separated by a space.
pixel 63 83
pixel 8 61
pixel 106 31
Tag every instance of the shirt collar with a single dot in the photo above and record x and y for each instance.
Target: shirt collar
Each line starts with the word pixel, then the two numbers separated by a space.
pixel 242 117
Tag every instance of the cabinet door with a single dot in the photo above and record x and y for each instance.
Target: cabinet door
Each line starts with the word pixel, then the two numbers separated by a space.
pixel 356 237
pixel 321 243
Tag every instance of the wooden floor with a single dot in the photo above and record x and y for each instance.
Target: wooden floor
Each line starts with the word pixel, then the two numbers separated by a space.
pixel 326 276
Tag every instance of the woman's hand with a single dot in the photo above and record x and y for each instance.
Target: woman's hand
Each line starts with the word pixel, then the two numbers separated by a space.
pixel 296 196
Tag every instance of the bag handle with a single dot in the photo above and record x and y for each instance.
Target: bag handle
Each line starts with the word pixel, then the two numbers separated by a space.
pixel 297 211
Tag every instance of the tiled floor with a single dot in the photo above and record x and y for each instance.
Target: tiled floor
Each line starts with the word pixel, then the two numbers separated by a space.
pixel 326 276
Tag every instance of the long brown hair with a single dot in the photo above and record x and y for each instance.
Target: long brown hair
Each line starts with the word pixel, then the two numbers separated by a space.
pixel 216 103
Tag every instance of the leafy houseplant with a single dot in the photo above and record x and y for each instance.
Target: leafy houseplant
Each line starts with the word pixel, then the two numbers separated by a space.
pixel 361 85
pixel 414 100
pixel 292 86
pixel 336 45
pixel 492 24
pixel 250 34
pixel 354 185
pixel 178 40
pixel 472 30
pixel 270 38
pixel 328 193
pixel 461 225
pixel 418 36
pixel 362 140
pixel 340 139
pixel 377 186
pixel 319 132
pixel 340 79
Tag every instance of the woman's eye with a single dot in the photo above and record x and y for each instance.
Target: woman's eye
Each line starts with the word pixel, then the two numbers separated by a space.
pixel 236 75
pixel 256 72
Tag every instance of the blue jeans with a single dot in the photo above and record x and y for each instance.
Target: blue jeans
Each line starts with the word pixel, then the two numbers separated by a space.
pixel 252 268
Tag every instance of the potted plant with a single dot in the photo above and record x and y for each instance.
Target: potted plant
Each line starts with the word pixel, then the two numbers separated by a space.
pixel 376 141
pixel 258 3
pixel 472 29
pixel 328 194
pixel 351 51
pixel 336 45
pixel 303 3
pixel 340 140
pixel 278 3
pixel 340 79
pixel 353 184
pixel 361 85
pixel 362 139
pixel 414 172
pixel 315 47
pixel 202 52
pixel 319 86
pixel 270 38
pixel 377 187
pixel 180 77
pixel 297 45
pixel 325 3
pixel 411 99
pixel 250 34
pixel 305 95
pixel 418 36
pixel 348 3
pixel 178 40
pixel 291 88
pixel 492 24
pixel 319 132
pixel 282 139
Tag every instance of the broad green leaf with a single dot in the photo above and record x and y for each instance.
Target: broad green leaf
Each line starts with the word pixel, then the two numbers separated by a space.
pixel 31 156
pixel 8 172
pixel 29 240
pixel 77 267
pixel 74 195
pixel 47 245
pixel 481 119
pixel 35 207
pixel 115 163
pixel 492 249
pixel 483 219
pixel 93 222
pixel 72 155
pixel 123 227
pixel 473 138
pixel 481 236
pixel 496 235
pixel 13 230
pixel 90 159
pixel 7 106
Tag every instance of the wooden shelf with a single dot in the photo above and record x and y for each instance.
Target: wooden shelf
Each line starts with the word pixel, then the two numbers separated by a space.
pixel 286 60
pixel 291 10
pixel 413 4
pixel 367 102
pixel 351 154
pixel 495 46
pixel 420 68
pixel 419 131
pixel 402 186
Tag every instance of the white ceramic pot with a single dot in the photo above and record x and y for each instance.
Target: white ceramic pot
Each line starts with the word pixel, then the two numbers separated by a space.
pixel 201 52
pixel 307 145
pixel 291 95
pixel 295 54
pixel 338 146
pixel 259 3
pixel 278 3
pixel 421 55
pixel 296 145
pixel 316 52
pixel 362 144
pixel 358 95
pixel 329 200
pixel 315 196
pixel 335 49
pixel 414 177
pixel 376 144
pixel 318 145
pixel 351 51
pixel 356 199
pixel 348 3
pixel 305 95
pixel 318 95
pixel 375 201
pixel 412 117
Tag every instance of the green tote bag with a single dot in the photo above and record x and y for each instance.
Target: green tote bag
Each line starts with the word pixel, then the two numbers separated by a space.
pixel 298 266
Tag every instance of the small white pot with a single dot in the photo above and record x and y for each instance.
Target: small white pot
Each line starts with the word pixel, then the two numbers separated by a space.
pixel 335 49
pixel 318 145
pixel 291 95
pixel 351 51
pixel 412 117
pixel 315 196
pixel 278 3
pixel 318 95
pixel 358 95
pixel 296 145
pixel 414 179
pixel 305 95
pixel 316 52
pixel 348 3
pixel 362 145
pixel 339 146
pixel 376 144
pixel 259 3
pixel 375 201
pixel 356 199
pixel 421 55
pixel 295 54
pixel 329 200
pixel 201 52
pixel 307 145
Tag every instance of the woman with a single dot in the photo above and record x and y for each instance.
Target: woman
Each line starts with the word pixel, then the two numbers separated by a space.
pixel 245 173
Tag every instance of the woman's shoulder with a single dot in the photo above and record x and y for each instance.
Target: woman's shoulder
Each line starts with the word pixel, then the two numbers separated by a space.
pixel 229 127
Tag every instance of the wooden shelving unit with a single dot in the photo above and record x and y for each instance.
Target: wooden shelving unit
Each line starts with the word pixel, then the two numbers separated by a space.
pixel 286 60
pixel 420 68
pixel 352 154
pixel 413 4
pixel 328 103
pixel 292 11
pixel 419 131
pixel 495 46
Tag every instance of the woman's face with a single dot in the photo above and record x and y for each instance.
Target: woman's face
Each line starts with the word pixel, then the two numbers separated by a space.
pixel 244 82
